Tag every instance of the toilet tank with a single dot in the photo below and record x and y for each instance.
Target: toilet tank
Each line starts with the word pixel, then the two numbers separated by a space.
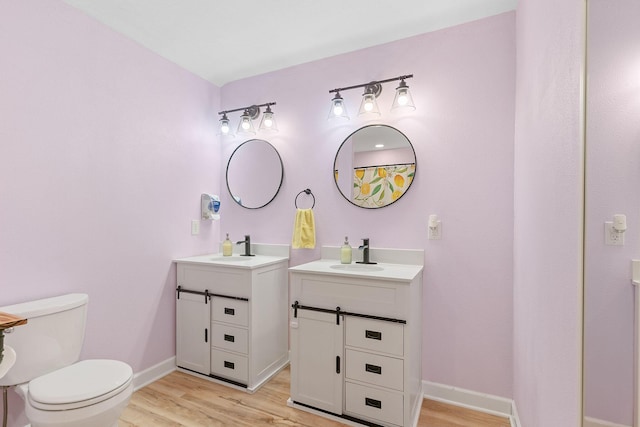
pixel 51 339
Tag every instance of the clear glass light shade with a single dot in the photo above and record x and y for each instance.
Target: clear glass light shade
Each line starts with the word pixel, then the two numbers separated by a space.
pixel 369 105
pixel 245 126
pixel 225 126
pixel 268 122
pixel 338 109
pixel 403 98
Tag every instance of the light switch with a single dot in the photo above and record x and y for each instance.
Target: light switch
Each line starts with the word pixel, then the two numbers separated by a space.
pixel 195 227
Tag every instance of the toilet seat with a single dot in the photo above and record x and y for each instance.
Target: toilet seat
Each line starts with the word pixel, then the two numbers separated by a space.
pixel 79 385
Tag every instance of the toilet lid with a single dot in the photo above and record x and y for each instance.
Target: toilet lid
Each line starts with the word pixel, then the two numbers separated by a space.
pixel 84 383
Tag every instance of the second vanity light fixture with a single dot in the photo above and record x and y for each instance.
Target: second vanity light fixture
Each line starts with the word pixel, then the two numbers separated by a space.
pixel 372 90
pixel 249 114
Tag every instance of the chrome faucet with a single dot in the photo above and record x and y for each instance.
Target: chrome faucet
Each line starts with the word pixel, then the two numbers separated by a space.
pixel 247 245
pixel 365 252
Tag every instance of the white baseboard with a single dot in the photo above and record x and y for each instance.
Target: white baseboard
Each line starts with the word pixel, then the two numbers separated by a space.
pixel 149 375
pixel 593 422
pixel 515 420
pixel 481 402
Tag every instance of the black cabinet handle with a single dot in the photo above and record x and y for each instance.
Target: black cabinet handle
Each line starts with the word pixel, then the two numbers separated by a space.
pixel 337 364
pixel 373 403
pixel 373 335
pixel 374 369
pixel 229 338
pixel 230 311
pixel 229 365
pixel 206 335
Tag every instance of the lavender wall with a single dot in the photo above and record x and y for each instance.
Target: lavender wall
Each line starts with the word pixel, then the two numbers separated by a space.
pixel 612 154
pixel 462 132
pixel 104 151
pixel 548 212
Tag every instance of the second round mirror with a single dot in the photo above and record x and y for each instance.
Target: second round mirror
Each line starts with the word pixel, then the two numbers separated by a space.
pixel 374 166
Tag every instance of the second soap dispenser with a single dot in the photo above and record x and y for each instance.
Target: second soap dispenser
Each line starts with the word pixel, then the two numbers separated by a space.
pixel 345 252
pixel 227 247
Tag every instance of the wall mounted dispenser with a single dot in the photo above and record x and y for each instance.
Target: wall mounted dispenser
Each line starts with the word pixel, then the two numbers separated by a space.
pixel 210 205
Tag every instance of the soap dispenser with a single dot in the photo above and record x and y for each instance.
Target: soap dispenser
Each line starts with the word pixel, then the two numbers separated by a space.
pixel 345 252
pixel 227 247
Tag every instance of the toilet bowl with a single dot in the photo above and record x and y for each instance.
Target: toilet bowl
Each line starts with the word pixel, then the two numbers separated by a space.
pixel 57 389
pixel 90 393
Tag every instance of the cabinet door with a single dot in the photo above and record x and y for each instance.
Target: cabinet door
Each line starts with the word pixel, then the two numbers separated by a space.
pixel 193 320
pixel 317 360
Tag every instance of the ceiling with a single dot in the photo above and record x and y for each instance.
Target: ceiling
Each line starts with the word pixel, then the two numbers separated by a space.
pixel 223 41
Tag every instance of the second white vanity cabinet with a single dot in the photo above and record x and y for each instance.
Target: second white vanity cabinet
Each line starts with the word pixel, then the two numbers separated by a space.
pixel 356 338
pixel 231 318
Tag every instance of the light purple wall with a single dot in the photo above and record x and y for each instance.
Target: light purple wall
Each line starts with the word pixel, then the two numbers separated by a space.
pixel 104 151
pixel 462 132
pixel 548 212
pixel 613 151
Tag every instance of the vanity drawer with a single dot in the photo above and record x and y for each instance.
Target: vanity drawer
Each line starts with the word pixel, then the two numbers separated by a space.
pixel 230 310
pixel 373 403
pixel 375 369
pixel 230 338
pixel 376 335
pixel 231 366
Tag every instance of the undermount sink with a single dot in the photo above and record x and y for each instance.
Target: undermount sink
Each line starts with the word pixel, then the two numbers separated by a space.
pixel 233 258
pixel 357 267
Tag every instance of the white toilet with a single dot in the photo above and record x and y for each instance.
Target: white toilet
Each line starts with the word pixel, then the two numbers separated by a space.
pixel 57 389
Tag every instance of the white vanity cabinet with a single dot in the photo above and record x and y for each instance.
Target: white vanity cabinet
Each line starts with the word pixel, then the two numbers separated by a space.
pixel 356 338
pixel 232 318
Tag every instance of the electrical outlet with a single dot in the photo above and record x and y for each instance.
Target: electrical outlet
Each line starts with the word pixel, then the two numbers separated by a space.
pixel 611 236
pixel 195 227
pixel 435 233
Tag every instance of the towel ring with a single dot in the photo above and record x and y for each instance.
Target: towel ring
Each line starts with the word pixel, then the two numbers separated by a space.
pixel 307 191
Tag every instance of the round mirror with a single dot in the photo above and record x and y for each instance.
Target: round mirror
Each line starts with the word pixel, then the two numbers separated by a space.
pixel 254 174
pixel 374 166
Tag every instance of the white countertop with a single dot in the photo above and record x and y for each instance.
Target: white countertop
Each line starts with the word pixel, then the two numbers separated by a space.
pixel 234 261
pixel 385 271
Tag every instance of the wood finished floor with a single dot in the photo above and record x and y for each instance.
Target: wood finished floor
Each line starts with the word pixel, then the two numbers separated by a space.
pixel 180 399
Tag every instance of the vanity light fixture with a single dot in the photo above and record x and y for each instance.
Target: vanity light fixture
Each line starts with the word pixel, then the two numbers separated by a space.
pixel 372 90
pixel 249 114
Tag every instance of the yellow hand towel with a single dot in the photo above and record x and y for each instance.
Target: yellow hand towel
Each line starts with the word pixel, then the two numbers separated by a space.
pixel 304 230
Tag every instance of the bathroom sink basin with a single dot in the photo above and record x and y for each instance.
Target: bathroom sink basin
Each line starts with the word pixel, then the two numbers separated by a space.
pixel 357 267
pixel 233 258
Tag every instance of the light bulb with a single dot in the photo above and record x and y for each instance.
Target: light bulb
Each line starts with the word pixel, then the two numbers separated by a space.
pixel 268 122
pixel 245 124
pixel 224 128
pixel 402 98
pixel 368 106
pixel 338 108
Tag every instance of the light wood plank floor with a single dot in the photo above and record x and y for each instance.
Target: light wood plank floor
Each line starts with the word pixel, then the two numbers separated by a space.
pixel 179 399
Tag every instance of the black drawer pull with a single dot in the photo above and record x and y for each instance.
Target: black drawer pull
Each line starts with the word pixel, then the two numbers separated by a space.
pixel 373 403
pixel 230 311
pixel 373 369
pixel 337 364
pixel 229 365
pixel 229 338
pixel 373 335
